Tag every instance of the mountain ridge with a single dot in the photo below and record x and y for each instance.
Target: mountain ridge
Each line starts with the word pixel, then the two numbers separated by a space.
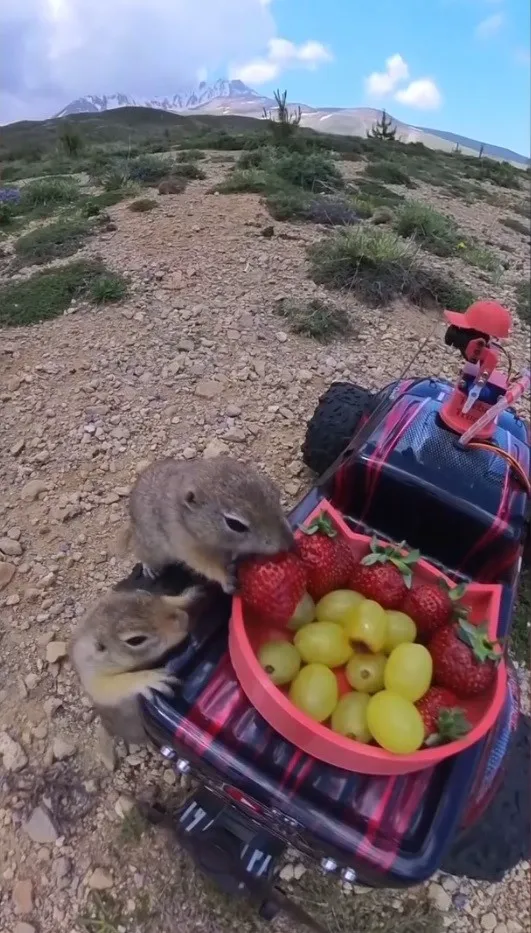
pixel 234 98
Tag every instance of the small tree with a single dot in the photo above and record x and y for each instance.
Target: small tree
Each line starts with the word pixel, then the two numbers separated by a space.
pixel 383 128
pixel 71 141
pixel 284 123
pixel 457 150
pixel 481 151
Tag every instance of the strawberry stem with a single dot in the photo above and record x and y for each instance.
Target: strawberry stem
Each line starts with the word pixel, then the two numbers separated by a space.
pixel 452 724
pixel 477 638
pixel 321 523
pixel 392 553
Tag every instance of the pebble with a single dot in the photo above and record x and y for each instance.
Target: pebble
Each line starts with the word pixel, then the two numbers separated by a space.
pixel 40 827
pixel 439 897
pixel 62 748
pixel 215 448
pixel 23 927
pixel 23 897
pixel 10 548
pixel 488 922
pixel 123 806
pixel 33 490
pixel 208 388
pixel 7 572
pixel 99 880
pixel 13 755
pixel 55 650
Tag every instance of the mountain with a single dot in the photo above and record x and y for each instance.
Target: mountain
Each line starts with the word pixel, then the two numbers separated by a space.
pixel 234 98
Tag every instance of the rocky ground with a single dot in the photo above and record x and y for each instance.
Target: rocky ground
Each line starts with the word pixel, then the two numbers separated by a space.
pixel 192 363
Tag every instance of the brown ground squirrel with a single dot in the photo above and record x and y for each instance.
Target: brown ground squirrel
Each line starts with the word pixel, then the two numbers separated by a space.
pixel 114 649
pixel 205 514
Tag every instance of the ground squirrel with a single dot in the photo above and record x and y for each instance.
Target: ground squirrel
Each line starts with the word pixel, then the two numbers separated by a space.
pixel 114 650
pixel 205 514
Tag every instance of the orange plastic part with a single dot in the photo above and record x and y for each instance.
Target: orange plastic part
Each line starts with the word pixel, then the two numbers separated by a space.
pixel 453 417
pixel 483 602
pixel 489 317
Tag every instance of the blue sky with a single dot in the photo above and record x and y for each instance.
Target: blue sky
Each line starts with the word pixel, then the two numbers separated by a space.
pixel 475 51
pixel 457 65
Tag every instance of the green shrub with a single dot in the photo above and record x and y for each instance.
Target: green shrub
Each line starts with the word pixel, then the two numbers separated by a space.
pixel 314 319
pixel 288 205
pixel 299 205
pixel 389 173
pixel 187 170
pixel 379 266
pixel 46 192
pixel 248 180
pixel 54 241
pixel 107 287
pixel 47 293
pixel 479 256
pixel 148 169
pixel 312 171
pixel 7 213
pixel 190 155
pixel 95 203
pixel 142 205
pixel 434 231
pixel 377 194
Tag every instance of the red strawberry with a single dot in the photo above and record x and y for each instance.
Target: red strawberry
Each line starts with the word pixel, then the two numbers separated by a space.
pixel 324 556
pixel 464 658
pixel 272 586
pixel 443 720
pixel 384 574
pixel 432 605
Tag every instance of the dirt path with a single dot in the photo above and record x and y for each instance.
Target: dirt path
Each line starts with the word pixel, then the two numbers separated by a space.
pixel 194 359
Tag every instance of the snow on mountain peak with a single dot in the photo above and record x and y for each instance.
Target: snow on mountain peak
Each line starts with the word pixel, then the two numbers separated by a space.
pixel 186 99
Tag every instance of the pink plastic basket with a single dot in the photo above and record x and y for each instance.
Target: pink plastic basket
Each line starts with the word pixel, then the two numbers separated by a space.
pixel 246 636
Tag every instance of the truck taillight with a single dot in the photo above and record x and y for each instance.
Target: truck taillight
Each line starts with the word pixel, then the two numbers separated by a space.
pixel 239 798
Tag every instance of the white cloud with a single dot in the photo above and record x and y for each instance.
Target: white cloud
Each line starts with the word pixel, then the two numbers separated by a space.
pixel 380 83
pixel 422 94
pixel 490 26
pixel 52 51
pixel 281 55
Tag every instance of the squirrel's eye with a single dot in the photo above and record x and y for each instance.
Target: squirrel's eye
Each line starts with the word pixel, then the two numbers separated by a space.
pixel 136 641
pixel 236 524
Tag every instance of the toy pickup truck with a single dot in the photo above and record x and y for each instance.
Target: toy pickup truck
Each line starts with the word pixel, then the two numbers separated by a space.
pixel 392 463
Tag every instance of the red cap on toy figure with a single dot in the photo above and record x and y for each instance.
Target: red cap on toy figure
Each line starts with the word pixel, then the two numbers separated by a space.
pixel 489 317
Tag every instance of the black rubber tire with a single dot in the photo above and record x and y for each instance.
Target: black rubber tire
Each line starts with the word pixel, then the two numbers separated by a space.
pixel 333 424
pixel 500 840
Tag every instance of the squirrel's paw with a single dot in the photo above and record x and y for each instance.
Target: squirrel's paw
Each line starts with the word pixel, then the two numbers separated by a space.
pixel 231 583
pixel 162 681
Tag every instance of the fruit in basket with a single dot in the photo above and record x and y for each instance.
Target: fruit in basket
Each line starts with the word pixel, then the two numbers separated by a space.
pixel 409 671
pixel 400 630
pixel 432 605
pixel 464 658
pixel 323 554
pixel 384 574
pixel 272 587
pixel 443 720
pixel 304 613
pixel 335 606
pixel 324 643
pixel 280 660
pixel 365 672
pixel 350 717
pixel 395 723
pixel 367 625
pixel 315 691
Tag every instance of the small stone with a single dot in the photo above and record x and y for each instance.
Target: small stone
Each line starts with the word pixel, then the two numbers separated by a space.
pixel 23 927
pixel 62 749
pixel 100 880
pixel 298 871
pixel 501 928
pixel 488 922
pixel 10 548
pixel 55 650
pixel 189 453
pixel 13 755
pixel 208 388
pixel 215 448
pixel 439 897
pixel 233 411
pixel 287 873
pixel 40 827
pixel 7 572
pixel 23 898
pixel 123 806
pixel 33 490
pixel 18 447
pixel 169 777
